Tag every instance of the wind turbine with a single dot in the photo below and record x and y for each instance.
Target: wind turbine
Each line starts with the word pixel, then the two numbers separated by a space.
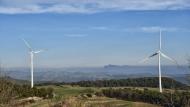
pixel 32 53
pixel 160 54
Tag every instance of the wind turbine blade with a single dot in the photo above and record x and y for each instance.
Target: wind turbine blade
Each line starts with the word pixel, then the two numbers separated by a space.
pixel 167 57
pixel 146 59
pixel 38 51
pixel 153 55
pixel 27 44
pixel 160 39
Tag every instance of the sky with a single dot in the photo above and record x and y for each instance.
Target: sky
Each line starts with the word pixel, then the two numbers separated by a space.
pixel 88 33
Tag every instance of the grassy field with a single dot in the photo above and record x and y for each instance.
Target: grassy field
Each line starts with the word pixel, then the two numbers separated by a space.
pixel 68 96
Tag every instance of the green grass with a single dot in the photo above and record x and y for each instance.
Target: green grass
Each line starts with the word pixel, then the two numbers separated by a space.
pixel 65 91
pixel 74 97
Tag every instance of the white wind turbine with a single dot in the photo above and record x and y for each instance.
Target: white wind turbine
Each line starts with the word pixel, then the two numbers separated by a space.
pixel 32 52
pixel 160 54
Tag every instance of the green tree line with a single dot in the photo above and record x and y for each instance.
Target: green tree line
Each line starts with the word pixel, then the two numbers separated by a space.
pixel 176 99
pixel 133 82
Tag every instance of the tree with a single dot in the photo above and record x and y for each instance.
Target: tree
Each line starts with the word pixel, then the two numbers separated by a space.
pixel 132 82
pixel 6 91
pixel 181 99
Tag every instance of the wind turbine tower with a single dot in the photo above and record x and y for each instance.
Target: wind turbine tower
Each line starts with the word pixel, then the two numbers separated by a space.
pixel 160 54
pixel 32 53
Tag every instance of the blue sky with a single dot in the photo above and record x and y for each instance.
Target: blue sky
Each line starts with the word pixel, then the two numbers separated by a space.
pixel 93 33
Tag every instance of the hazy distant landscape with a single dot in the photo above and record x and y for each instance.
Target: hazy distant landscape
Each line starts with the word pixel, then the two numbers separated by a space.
pixel 99 73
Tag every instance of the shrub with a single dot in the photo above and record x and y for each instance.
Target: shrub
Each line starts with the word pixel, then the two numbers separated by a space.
pixel 179 99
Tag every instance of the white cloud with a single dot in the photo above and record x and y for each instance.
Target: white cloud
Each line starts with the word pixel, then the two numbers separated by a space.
pixel 88 6
pixel 99 28
pixel 152 29
pixel 157 28
pixel 75 35
pixel 147 29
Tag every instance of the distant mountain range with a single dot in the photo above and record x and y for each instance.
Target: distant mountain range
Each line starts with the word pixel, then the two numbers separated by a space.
pixel 115 66
pixel 107 72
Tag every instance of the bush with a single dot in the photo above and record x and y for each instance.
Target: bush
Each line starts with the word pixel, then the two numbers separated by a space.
pixel 10 91
pixel 179 99
pixel 89 95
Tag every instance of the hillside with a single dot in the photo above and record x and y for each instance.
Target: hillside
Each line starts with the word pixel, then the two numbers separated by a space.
pixel 75 96
pixel 98 73
pixel 72 95
pixel 134 82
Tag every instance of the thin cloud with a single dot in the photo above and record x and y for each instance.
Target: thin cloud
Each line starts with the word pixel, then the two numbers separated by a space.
pixel 88 6
pixel 99 28
pixel 147 29
pixel 152 29
pixel 157 28
pixel 75 35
